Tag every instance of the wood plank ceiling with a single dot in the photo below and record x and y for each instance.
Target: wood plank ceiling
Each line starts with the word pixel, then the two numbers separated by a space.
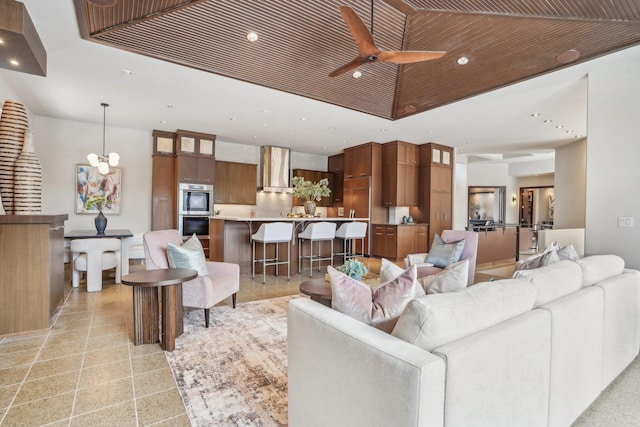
pixel 301 42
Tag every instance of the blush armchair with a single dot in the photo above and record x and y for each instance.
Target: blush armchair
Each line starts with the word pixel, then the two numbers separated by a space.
pixel 202 292
pixel 469 252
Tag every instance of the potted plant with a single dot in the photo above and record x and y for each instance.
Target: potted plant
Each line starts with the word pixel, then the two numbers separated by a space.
pixel 310 191
pixel 353 268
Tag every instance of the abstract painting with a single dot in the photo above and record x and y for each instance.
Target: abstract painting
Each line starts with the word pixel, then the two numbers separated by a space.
pixel 89 182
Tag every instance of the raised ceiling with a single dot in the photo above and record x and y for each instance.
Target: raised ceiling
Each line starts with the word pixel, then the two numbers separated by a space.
pixel 301 42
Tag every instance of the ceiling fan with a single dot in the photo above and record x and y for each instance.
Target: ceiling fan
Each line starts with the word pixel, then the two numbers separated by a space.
pixel 368 52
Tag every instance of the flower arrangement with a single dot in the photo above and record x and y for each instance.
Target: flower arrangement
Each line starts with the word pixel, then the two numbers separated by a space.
pixel 353 268
pixel 97 201
pixel 310 191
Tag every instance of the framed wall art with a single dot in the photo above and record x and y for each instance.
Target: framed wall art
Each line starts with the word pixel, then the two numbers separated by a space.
pixel 90 182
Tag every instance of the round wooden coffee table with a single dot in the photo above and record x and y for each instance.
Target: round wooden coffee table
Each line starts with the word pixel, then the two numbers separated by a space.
pixel 318 289
pixel 145 304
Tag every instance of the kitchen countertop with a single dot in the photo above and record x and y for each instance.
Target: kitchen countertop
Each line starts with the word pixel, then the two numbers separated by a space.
pixel 284 218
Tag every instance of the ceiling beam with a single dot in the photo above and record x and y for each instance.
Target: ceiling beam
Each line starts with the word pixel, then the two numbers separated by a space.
pixel 20 46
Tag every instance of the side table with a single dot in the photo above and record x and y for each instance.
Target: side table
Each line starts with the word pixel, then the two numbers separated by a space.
pixel 318 289
pixel 145 304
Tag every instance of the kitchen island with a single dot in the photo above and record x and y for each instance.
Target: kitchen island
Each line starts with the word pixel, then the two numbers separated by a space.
pixel 230 238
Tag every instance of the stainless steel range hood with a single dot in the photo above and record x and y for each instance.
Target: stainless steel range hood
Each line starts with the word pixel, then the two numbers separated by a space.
pixel 274 169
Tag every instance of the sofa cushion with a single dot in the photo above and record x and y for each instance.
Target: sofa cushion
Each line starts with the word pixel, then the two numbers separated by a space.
pixel 553 281
pixel 436 319
pixel 453 278
pixel 596 268
pixel 443 253
pixel 379 306
pixel 568 252
pixel 189 255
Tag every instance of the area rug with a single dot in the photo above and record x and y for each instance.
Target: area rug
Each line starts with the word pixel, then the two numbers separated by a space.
pixel 235 372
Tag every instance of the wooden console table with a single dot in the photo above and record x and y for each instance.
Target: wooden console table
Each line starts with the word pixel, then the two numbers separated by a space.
pixel 145 304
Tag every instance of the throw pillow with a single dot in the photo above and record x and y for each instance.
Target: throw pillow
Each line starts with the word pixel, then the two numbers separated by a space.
pixel 189 255
pixel 443 253
pixel 417 259
pixel 379 307
pixel 548 257
pixel 390 271
pixel 568 252
pixel 453 278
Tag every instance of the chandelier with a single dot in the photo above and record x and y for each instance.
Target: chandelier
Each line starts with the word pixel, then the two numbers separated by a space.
pixel 102 162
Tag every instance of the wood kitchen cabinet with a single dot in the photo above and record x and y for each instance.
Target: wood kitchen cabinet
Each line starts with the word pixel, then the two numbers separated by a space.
pixel 195 157
pixel 235 183
pixel 32 266
pixel 335 165
pixel 399 174
pixel 359 161
pixel 435 194
pixel 396 241
pixel 314 176
pixel 195 170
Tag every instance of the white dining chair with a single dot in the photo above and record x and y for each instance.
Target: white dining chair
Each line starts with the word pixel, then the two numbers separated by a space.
pixel 132 248
pixel 93 256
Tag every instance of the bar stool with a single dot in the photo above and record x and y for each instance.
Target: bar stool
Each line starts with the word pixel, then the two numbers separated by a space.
pixel 350 231
pixel 316 232
pixel 272 232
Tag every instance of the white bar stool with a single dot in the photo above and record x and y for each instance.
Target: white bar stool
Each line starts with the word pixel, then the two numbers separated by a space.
pixel 316 232
pixel 272 232
pixel 350 231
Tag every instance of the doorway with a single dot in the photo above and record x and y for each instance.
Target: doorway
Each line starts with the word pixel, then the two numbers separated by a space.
pixel 536 207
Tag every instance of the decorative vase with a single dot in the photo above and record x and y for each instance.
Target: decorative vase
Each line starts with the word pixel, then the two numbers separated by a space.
pixel 13 123
pixel 101 223
pixel 27 176
pixel 310 207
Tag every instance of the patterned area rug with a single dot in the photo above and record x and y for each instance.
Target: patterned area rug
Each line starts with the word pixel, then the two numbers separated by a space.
pixel 235 372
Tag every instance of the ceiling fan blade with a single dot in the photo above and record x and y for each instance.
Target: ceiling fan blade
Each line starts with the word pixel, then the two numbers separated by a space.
pixel 409 56
pixel 350 66
pixel 359 31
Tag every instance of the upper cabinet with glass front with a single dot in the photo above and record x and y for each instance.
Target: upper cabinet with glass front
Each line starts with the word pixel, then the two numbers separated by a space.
pixel 195 143
pixel 440 155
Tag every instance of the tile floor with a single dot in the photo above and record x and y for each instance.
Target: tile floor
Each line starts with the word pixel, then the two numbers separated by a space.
pixel 86 370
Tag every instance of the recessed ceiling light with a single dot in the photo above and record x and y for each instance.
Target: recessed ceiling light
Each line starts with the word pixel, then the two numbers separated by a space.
pixel 233 118
pixel 303 118
pixel 331 127
pixel 255 136
pixel 1 41
pixel 252 36
pixel 569 131
pixel 384 130
pixel 128 72
pixel 324 147
pixel 568 56
pixel 265 110
pixel 548 121
pixel 292 130
pixel 264 125
pixel 463 60
pixel 535 114
pixel 171 107
pixel 163 122
pixel 344 141
pixel 559 126
pixel 357 74
pixel 14 62
pixel 577 136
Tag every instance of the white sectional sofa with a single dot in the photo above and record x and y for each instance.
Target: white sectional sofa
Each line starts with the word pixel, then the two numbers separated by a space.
pixel 535 350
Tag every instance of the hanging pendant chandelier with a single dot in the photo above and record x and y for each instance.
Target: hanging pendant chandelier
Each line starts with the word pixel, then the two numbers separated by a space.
pixel 103 162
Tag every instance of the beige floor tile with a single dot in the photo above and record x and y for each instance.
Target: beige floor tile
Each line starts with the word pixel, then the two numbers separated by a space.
pixel 153 382
pixel 160 406
pixel 179 421
pixel 67 336
pixel 11 346
pixel 108 341
pixel 18 358
pixel 13 375
pixel 47 387
pixel 148 362
pixel 40 412
pixel 61 350
pixel 121 415
pixel 69 325
pixel 7 393
pixel 141 350
pixel 102 395
pixel 102 356
pixel 104 373
pixel 59 365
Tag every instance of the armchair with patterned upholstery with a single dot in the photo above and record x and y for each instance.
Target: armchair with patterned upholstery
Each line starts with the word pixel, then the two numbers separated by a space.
pixel 202 292
pixel 470 252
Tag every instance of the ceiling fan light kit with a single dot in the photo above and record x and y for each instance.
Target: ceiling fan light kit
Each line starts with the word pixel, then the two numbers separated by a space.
pixel 369 52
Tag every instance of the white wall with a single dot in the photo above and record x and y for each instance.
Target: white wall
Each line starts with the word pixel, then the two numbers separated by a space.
pixel 613 156
pixel 61 144
pixel 460 193
pixel 570 185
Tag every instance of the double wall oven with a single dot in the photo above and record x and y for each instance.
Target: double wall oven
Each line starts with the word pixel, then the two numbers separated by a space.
pixel 195 206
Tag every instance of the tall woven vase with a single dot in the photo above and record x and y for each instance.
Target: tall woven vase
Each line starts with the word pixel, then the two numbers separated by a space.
pixel 13 123
pixel 27 176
